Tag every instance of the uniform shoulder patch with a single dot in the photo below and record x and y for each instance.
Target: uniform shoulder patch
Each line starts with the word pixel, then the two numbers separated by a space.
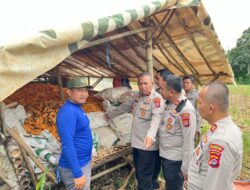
pixel 157 102
pixel 185 119
pixel 213 128
pixel 215 152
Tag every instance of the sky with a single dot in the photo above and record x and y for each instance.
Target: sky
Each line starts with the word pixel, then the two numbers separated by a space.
pixel 230 19
pixel 20 19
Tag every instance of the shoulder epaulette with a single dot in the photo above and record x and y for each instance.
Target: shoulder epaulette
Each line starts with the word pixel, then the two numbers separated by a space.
pixel 181 105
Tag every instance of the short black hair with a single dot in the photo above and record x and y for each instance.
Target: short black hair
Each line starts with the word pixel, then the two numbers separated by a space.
pixel 164 73
pixel 189 77
pixel 174 82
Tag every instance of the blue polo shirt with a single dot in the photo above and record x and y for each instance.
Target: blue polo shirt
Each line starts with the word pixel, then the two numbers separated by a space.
pixel 76 138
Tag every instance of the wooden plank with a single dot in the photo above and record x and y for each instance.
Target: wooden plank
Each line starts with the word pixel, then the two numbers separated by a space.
pixel 194 42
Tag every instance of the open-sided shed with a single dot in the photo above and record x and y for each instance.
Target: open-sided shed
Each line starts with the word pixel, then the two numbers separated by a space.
pixel 177 35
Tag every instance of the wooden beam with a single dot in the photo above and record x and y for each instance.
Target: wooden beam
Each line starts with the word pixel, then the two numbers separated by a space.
pixel 101 61
pixel 165 26
pixel 180 54
pixel 138 38
pixel 157 28
pixel 122 65
pixel 95 64
pixel 76 65
pixel 124 56
pixel 149 50
pixel 108 171
pixel 23 145
pixel 73 70
pixel 114 37
pixel 194 42
pixel 97 82
pixel 83 65
pixel 59 82
pixel 181 70
pixel 135 50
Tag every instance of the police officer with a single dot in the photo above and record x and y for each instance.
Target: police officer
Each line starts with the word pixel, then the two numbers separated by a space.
pixel 147 107
pixel 161 74
pixel 217 159
pixel 192 95
pixel 176 133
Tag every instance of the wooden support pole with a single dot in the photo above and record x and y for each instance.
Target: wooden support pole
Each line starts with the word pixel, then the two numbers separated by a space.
pixel 108 171
pixel 2 118
pixel 149 49
pixel 27 162
pixel 125 183
pixel 59 81
pixel 23 145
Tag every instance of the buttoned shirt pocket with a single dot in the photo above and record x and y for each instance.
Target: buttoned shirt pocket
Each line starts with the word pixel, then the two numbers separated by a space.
pixel 145 111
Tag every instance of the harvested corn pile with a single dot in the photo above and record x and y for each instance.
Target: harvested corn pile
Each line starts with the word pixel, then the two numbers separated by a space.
pixel 42 102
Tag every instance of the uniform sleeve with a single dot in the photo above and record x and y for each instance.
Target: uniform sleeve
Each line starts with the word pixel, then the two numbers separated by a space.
pixel 188 125
pixel 66 125
pixel 157 110
pixel 123 108
pixel 220 166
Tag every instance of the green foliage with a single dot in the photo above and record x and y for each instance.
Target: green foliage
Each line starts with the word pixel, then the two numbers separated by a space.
pixel 42 181
pixel 239 58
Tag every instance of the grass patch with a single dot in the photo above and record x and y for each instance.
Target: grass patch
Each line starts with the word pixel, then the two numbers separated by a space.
pixel 239 89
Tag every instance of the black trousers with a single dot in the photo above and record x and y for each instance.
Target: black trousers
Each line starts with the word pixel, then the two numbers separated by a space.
pixel 157 167
pixel 144 162
pixel 172 174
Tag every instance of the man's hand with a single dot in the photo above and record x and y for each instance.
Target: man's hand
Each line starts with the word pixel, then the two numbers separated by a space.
pixel 148 141
pixel 80 182
pixel 185 176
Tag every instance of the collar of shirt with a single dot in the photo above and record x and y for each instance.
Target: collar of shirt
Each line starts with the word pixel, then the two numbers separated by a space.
pixel 221 123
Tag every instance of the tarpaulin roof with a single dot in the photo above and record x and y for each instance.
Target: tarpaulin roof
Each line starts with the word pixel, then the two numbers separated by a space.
pixel 184 42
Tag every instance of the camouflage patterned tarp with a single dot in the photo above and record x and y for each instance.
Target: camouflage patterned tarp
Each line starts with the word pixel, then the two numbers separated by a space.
pixel 24 60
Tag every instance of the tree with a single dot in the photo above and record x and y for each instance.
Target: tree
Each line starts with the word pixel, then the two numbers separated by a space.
pixel 239 58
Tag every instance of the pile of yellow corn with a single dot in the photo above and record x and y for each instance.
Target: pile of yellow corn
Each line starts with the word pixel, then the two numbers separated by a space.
pixel 42 102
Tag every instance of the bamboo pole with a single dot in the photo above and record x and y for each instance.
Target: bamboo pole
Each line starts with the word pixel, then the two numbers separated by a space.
pixel 2 118
pixel 59 81
pixel 149 50
pixel 108 171
pixel 26 159
pixel 125 183
pixel 23 145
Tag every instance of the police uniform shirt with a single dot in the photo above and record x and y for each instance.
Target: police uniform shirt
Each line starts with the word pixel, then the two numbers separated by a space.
pixel 176 132
pixel 193 96
pixel 147 111
pixel 217 159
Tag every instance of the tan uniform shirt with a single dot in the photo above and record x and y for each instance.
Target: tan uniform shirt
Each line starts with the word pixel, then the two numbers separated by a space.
pixel 147 111
pixel 176 133
pixel 217 159
pixel 193 97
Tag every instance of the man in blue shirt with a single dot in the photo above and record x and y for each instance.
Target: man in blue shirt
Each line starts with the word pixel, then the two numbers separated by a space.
pixel 76 139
